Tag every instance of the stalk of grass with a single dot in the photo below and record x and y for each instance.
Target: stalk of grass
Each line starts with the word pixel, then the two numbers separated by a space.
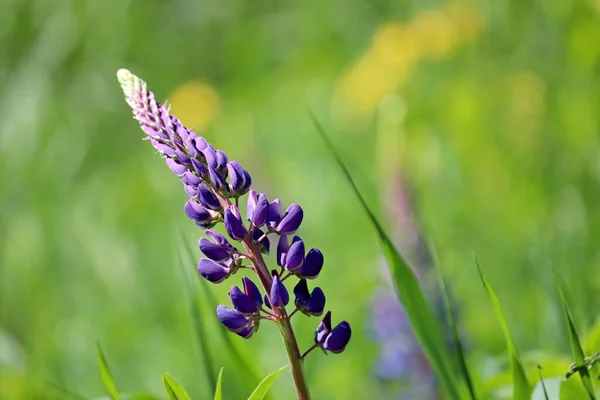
pixel 521 388
pixel 578 353
pixel 426 327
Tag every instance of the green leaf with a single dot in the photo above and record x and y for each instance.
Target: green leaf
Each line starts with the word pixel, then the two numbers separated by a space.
pixel 572 389
pixel 218 394
pixel 264 386
pixel 174 390
pixel 576 345
pixel 460 351
pixel 521 388
pixel 425 324
pixel 105 375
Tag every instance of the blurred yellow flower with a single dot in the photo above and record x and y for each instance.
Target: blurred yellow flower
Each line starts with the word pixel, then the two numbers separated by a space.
pixel 396 49
pixel 196 104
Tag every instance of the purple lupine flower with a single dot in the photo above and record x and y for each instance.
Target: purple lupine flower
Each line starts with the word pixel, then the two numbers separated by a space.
pixel 313 263
pixel 213 271
pixel 234 226
pixel 233 320
pixel 214 185
pixel 242 302
pixel 200 215
pixel 279 294
pixel 239 179
pixel 282 249
pixel 274 213
pixel 339 337
pixel 333 340
pixel 252 291
pixel 214 251
pixel 291 220
pixel 295 255
pixel 309 303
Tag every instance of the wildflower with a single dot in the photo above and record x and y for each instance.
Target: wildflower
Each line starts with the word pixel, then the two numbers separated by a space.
pixel 214 185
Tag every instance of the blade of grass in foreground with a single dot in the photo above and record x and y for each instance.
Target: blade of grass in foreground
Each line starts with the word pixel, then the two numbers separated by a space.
pixel 200 334
pixel 521 388
pixel 264 385
pixel 105 375
pixel 426 328
pixel 576 345
pixel 460 351
pixel 246 371
pixel 543 384
pixel 218 391
pixel 174 390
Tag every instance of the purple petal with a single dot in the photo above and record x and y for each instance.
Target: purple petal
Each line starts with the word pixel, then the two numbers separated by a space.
pixel 274 214
pixel 279 294
pixel 247 332
pixel 301 292
pixel 191 191
pixel 200 168
pixel 252 291
pixel 219 239
pixel 295 255
pixel 208 198
pixel 197 213
pixel 313 263
pixel 282 249
pixel 212 271
pixel 216 178
pixel 242 302
pixel 211 156
pixel 213 251
pixel 232 319
pixel 323 329
pixel 175 166
pixel 252 198
pixel 338 338
pixel 237 178
pixel 316 303
pixel 222 159
pixel 259 215
pixel 234 227
pixel 291 220
pixel 189 178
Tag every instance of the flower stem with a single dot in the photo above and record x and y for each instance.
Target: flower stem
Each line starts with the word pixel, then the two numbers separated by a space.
pixel 282 321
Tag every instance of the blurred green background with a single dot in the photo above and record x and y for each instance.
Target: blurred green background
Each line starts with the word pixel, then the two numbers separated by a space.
pixel 488 111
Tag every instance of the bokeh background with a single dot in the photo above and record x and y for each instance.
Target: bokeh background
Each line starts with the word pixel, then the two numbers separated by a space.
pixel 473 124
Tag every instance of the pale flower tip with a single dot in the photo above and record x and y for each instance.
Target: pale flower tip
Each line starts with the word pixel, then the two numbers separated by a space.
pixel 128 81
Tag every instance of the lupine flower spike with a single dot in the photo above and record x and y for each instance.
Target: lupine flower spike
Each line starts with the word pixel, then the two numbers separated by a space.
pixel 214 185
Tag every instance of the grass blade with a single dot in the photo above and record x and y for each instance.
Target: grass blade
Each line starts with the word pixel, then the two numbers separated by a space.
pixel 580 361
pixel 426 328
pixel 218 394
pixel 199 333
pixel 105 375
pixel 543 384
pixel 521 388
pixel 174 390
pixel 264 385
pixel 460 351
pixel 241 362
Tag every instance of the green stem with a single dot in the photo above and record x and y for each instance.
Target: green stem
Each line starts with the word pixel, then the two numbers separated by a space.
pixel 282 321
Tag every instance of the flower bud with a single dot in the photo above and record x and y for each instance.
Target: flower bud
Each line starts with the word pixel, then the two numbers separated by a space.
pixel 242 302
pixel 252 291
pixel 208 198
pixel 291 220
pixel 212 271
pixel 233 225
pixel 233 320
pixel 313 263
pixel 279 294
